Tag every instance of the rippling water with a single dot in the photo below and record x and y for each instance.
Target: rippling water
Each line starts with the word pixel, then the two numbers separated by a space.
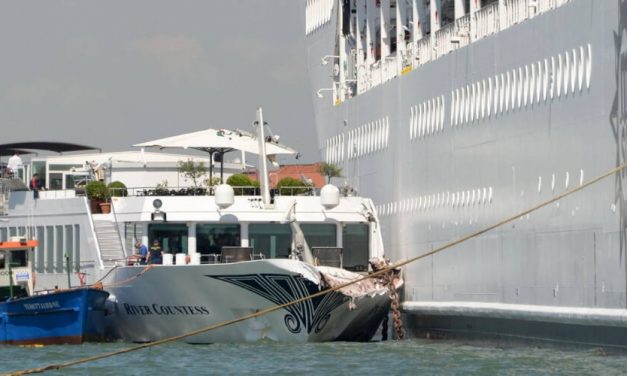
pixel 412 357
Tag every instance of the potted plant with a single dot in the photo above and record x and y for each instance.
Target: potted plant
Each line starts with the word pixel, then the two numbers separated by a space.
pixel 96 193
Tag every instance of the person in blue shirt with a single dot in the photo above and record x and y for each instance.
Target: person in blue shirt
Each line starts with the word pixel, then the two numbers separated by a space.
pixel 142 251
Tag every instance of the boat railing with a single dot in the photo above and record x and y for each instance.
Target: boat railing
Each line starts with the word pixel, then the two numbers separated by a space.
pixel 444 39
pixel 178 191
pixel 486 21
pixel 424 50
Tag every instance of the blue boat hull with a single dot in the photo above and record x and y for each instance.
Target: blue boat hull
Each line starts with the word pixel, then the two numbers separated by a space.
pixel 72 316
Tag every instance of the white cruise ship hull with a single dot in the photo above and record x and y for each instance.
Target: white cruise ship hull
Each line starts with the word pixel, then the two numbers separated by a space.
pixel 475 134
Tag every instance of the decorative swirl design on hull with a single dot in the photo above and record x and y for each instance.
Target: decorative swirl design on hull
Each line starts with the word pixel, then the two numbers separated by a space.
pixel 311 314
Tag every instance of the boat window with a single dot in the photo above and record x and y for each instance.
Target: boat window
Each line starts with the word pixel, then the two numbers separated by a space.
pixel 274 240
pixel 39 253
pixel 320 235
pixel 171 236
pixel 59 249
pixel 2 260
pixel 211 237
pixel 18 258
pixel 356 246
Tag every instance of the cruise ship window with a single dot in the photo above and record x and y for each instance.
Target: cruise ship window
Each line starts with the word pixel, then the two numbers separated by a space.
pixel 39 252
pixel 356 242
pixel 49 249
pixel 211 237
pixel 59 248
pixel 172 237
pixel 274 240
pixel 2 260
pixel 320 235
pixel 77 248
pixel 69 245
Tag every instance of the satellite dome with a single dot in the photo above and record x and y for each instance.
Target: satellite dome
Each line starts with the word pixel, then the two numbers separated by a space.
pixel 224 196
pixel 329 196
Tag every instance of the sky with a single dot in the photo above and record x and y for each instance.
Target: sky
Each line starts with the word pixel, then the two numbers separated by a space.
pixel 114 73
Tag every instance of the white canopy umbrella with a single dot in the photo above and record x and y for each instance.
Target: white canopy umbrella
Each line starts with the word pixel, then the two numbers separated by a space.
pixel 219 141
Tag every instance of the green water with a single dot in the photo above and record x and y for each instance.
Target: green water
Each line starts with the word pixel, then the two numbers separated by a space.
pixel 412 357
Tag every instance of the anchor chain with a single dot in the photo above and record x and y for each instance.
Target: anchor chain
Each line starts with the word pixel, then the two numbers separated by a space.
pixel 390 279
pixel 395 306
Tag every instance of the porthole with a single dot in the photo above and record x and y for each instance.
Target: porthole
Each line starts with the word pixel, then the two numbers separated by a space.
pixel 539 184
pixel 453 108
pixel 490 94
pixel 411 122
pixel 520 84
pixel 553 77
pixel 559 75
pixel 507 90
pixel 526 87
pixel 581 177
pixel 589 67
pixel 473 101
pixel 477 101
pixel 539 82
pixel 532 84
pixel 468 104
pixel 566 73
pixel 573 71
pixel 442 109
pixel 581 70
pixel 483 98
pixel 545 80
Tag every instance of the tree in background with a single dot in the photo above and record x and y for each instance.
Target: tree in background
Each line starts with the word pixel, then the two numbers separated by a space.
pixel 193 171
pixel 330 171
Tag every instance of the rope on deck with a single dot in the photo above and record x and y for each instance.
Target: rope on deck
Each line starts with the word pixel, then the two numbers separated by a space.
pixel 323 292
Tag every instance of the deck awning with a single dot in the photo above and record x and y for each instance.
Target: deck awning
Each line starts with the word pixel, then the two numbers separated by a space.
pixel 218 141
pixel 57 147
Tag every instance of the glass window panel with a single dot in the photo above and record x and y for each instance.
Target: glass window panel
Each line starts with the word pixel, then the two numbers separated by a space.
pixel 356 240
pixel 69 245
pixel 320 235
pixel 58 249
pixel 211 237
pixel 274 240
pixel 77 248
pixel 18 258
pixel 39 252
pixel 49 249
pixel 171 236
pixel 2 260
pixel 4 234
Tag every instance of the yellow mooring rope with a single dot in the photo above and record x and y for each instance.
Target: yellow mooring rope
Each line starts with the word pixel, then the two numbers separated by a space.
pixel 277 307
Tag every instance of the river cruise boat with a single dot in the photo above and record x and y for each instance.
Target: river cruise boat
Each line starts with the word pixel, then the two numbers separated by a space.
pixel 227 252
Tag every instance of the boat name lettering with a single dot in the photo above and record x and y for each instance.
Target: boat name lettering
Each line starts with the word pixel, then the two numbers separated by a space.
pixel 44 305
pixel 156 309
